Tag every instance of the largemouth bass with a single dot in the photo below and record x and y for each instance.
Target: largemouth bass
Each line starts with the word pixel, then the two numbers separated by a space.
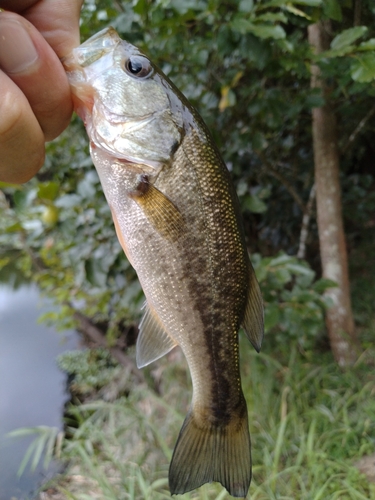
pixel 177 218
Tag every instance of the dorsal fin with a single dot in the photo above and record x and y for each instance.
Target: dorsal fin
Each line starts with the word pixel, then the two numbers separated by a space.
pixel 153 341
pixel 253 322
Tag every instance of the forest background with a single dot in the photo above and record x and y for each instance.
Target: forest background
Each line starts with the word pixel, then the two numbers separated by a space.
pixel 267 77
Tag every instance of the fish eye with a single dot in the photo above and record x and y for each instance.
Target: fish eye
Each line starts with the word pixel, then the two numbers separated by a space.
pixel 138 66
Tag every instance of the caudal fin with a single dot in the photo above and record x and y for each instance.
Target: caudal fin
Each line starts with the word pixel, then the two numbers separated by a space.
pixel 211 453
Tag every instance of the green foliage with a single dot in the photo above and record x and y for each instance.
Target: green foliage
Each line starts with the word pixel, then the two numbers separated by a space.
pixel 362 66
pixel 309 424
pixel 246 66
pixel 57 230
pixel 91 369
pixel 46 444
pixel 347 37
pixel 294 304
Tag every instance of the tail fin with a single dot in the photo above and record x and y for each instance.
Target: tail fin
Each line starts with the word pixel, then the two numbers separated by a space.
pixel 212 453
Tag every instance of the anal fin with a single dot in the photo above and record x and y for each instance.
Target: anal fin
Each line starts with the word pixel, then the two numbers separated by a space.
pixel 253 322
pixel 153 341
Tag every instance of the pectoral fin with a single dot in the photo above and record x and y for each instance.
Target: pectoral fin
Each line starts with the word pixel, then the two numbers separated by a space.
pixel 153 341
pixel 163 215
pixel 253 322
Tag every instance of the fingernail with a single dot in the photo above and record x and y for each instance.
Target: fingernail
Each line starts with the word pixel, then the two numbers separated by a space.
pixel 17 51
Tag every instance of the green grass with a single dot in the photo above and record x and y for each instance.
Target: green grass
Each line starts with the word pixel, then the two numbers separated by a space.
pixel 309 423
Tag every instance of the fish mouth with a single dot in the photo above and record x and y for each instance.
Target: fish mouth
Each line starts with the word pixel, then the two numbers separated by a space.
pixel 92 49
pixel 84 62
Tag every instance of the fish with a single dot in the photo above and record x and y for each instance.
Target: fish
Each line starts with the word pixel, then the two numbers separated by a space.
pixel 178 220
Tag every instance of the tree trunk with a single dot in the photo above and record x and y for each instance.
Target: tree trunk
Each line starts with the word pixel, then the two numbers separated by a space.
pixel 339 317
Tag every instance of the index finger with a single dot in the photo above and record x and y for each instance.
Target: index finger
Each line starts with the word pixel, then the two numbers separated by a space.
pixel 57 20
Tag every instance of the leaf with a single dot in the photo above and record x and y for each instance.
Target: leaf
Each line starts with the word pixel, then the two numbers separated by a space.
pixel 367 45
pixel 282 275
pixel 228 98
pixel 271 316
pixel 301 296
pixel 23 431
pixel 281 3
pixel 48 190
pixel 323 284
pixel 336 52
pixel 4 262
pixel 299 269
pixel 332 9
pixel 258 141
pixel 273 17
pixel 246 5
pixel 363 68
pixel 68 201
pixel 280 259
pixel 10 185
pixel 94 273
pixel 23 198
pixel 255 204
pixel 244 26
pixel 140 7
pixel 297 12
pixel 310 3
pixel 267 31
pixel 86 187
pixel 241 25
pixel 314 101
pixel 347 37
pixel 14 228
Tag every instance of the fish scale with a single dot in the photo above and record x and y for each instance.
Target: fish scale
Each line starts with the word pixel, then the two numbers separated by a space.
pixel 177 217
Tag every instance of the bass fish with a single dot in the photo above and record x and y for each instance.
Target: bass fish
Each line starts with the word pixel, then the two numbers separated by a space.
pixel 178 220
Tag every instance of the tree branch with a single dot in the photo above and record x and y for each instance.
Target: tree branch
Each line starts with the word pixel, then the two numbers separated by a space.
pixel 353 136
pixel 278 175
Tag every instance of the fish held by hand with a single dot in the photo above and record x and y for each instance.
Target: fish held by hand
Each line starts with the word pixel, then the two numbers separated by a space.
pixel 177 218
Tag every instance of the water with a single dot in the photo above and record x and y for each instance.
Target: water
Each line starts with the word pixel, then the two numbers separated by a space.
pixel 32 388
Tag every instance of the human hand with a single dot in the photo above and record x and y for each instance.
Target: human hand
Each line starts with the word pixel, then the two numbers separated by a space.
pixel 35 104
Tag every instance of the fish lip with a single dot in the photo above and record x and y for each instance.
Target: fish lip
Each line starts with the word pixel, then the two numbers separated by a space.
pixel 92 49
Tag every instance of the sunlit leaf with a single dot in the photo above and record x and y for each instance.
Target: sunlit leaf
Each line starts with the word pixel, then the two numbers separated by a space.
pixel 244 26
pixel 347 37
pixel 48 190
pixel 367 45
